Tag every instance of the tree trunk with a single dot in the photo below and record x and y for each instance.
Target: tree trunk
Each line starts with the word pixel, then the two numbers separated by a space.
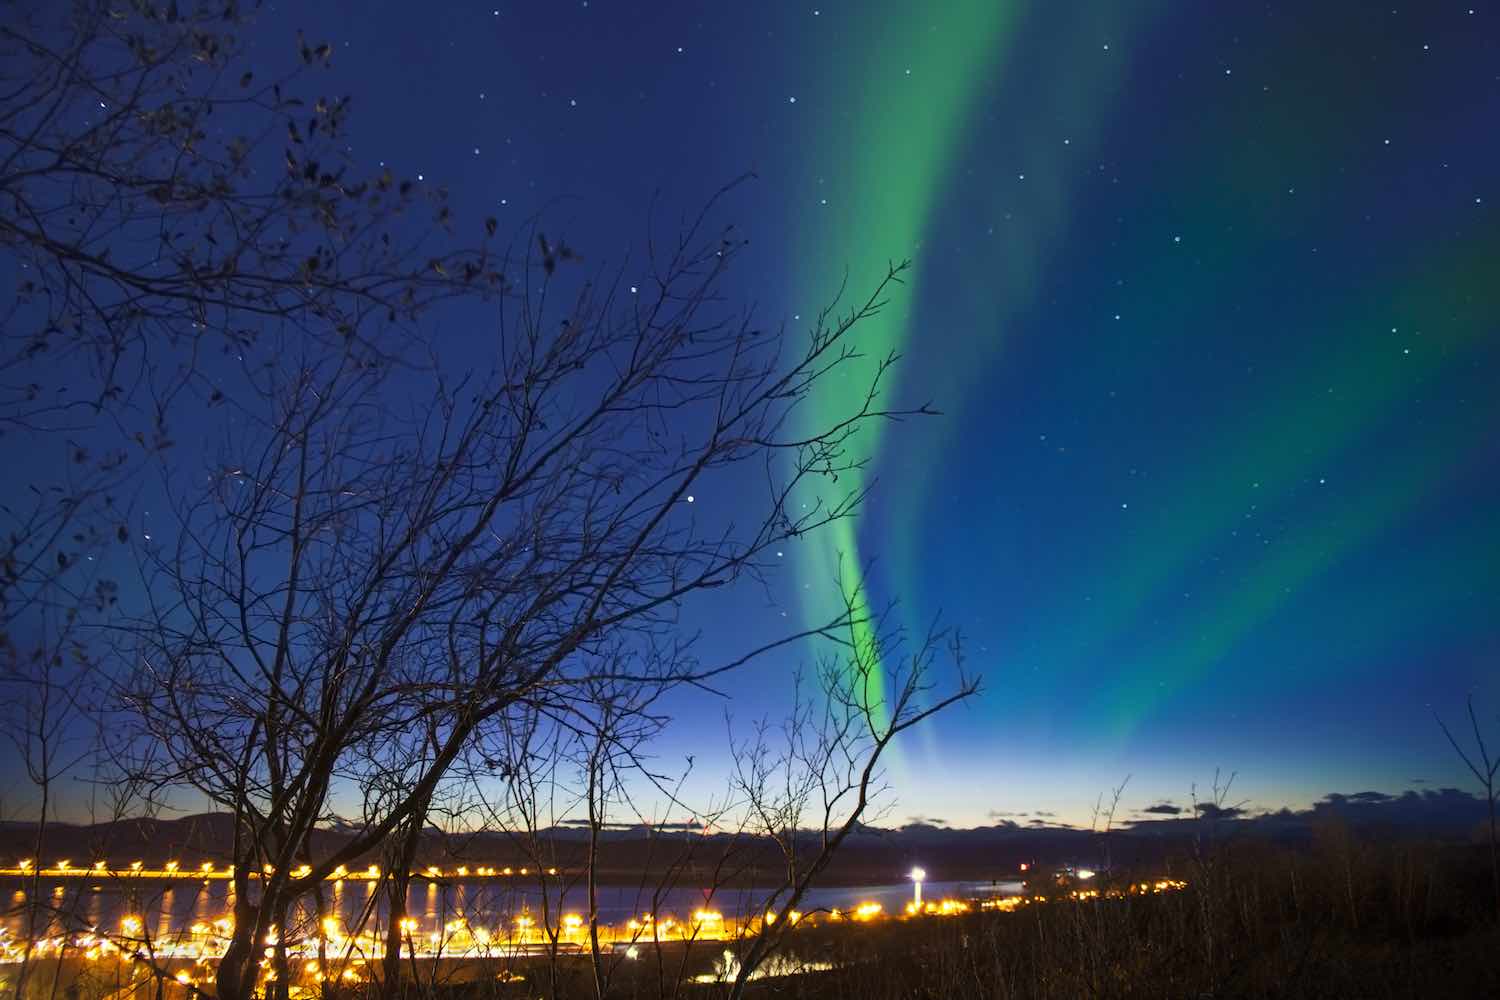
pixel 236 976
pixel 397 885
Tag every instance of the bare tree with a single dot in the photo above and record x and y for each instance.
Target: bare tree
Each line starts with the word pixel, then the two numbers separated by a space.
pixel 173 217
pixel 813 781
pixel 354 579
pixel 1102 829
pixel 362 589
pixel 1484 768
pixel 166 201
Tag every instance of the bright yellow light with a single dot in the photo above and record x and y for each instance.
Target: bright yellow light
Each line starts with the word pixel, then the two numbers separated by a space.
pixel 207 866
pixel 408 924
pixel 372 872
pixel 551 871
pixel 867 911
pixel 130 924
pixel 941 908
pixel 918 875
pixel 462 871
pixel 62 865
pixel 26 864
pixel 98 866
pixel 1005 904
pixel 339 872
pixel 507 871
pixel 433 871
pixel 135 866
pixel 171 866
pixel 572 921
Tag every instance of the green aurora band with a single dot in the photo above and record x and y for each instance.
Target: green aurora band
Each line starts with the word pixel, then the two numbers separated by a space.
pixel 915 99
pixel 904 138
pixel 911 85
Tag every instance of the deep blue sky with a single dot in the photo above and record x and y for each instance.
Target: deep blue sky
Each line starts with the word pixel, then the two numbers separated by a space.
pixel 1207 294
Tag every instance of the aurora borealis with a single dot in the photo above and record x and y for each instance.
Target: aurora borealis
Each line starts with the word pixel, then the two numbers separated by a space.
pixel 1220 423
pixel 1208 296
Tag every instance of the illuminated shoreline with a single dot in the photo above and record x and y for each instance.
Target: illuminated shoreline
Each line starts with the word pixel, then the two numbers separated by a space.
pixel 207 871
pixel 203 943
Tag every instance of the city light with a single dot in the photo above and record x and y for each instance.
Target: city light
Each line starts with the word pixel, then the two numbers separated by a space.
pixel 204 941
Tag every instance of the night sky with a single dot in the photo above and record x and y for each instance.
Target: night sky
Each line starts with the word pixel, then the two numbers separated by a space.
pixel 1207 295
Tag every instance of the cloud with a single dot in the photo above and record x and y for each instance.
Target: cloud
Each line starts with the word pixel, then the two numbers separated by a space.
pixel 1003 814
pixel 1444 811
pixel 1429 808
pixel 1047 814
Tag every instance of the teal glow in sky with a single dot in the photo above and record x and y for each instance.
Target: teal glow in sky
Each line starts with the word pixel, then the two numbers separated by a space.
pixel 1206 305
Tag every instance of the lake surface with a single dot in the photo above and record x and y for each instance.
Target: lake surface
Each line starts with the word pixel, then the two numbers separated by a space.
pixel 170 909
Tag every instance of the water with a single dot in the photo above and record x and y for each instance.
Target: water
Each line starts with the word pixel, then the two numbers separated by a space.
pixel 170 909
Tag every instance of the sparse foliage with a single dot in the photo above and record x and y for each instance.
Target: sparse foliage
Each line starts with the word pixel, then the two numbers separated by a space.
pixel 359 595
pixel 811 782
pixel 1484 768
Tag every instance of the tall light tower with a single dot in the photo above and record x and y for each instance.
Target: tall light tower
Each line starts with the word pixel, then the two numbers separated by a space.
pixel 917 876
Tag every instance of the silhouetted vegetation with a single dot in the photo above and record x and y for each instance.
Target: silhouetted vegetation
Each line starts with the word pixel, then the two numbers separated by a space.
pixel 1350 917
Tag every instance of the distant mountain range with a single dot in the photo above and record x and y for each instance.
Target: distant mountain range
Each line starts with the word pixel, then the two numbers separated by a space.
pixel 634 853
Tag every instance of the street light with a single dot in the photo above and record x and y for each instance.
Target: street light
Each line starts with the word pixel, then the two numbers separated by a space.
pixel 917 876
